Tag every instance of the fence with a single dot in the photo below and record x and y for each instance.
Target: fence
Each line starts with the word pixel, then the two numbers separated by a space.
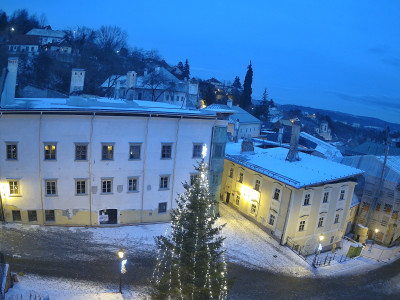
pixel 321 260
pixel 296 248
pixel 379 253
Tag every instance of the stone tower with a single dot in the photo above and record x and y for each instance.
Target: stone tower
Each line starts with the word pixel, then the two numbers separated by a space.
pixel 77 81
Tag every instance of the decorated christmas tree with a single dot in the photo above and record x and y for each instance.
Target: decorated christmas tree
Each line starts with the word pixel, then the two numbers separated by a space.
pixel 190 261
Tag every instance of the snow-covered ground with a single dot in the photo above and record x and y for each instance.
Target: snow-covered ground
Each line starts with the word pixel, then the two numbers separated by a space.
pixel 246 244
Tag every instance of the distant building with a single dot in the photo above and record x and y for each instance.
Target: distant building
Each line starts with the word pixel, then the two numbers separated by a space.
pixel 327 150
pixel 324 131
pixel 370 148
pixel 24 44
pixel 296 200
pixel 47 36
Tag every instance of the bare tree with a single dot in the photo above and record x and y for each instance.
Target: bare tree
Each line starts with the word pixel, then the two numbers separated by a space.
pixel 111 38
pixel 158 83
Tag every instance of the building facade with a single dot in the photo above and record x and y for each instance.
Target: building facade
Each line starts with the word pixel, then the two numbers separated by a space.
pixel 297 202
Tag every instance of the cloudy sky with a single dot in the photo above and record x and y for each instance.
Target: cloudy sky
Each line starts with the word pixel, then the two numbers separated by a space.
pixel 339 55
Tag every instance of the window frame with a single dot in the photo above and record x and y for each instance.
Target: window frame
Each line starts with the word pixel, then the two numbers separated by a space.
pixel 15 182
pixel 302 225
pixel 321 222
pixel 50 212
pixel 306 200
pixel 197 153
pixel 241 177
pixel 49 155
pixel 106 157
pixel 237 200
pixel 11 152
pixel 162 181
pixel 30 212
pixel 133 178
pixel 16 215
pixel 80 180
pixel 257 185
pixel 47 182
pixel 271 220
pixel 164 154
pixel 161 205
pixel 103 180
pixel 337 217
pixel 133 157
pixel 231 172
pixel 86 151
pixel 325 199
pixel 342 194
pixel 275 193
pixel 253 208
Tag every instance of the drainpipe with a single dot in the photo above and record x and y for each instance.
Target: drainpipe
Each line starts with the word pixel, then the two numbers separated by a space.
pixel 2 215
pixel 144 168
pixel 90 170
pixel 283 236
pixel 175 151
pixel 40 166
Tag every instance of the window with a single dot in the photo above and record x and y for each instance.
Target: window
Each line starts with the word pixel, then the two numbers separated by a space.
pixel 336 219
pixel 271 219
pixel 342 195
pixel 132 184
pixel 166 150
pixel 325 198
pixel 231 173
pixel 50 151
pixel 321 222
pixel 11 151
pixel 49 215
pixel 302 225
pixel 253 209
pixel 162 207
pixel 237 201
pixel 387 208
pixel 80 186
pixel 164 182
pixel 107 152
pixel 51 187
pixel 257 185
pixel 197 149
pixel 134 151
pixel 80 152
pixel 307 199
pixel 241 177
pixel 106 186
pixel 16 215
pixel 332 237
pixel 277 193
pixel 32 216
pixel 193 178
pixel 218 150
pixel 14 187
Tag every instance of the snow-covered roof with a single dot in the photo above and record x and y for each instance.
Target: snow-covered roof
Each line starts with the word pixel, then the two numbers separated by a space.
pixel 243 116
pixel 308 171
pixel 355 200
pixel 220 108
pixel 328 150
pixel 46 32
pixel 98 104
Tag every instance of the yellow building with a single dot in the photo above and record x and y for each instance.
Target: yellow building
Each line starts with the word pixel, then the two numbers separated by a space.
pixel 299 200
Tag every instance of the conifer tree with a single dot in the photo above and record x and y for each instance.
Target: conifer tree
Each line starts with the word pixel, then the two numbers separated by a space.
pixel 190 262
pixel 186 70
pixel 245 100
pixel 265 95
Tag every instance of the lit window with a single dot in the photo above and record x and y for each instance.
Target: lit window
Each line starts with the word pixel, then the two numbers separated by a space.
pixel 197 149
pixel 107 152
pixel 80 186
pixel 162 207
pixel 387 208
pixel 231 173
pixel 11 151
pixel 134 151
pixel 132 184
pixel 336 219
pixel 257 185
pixel 307 199
pixel 271 219
pixel 164 182
pixel 321 222
pixel 341 195
pixel 106 186
pixel 80 152
pixel 326 196
pixel 51 187
pixel 14 187
pixel 50 151
pixel 277 192
pixel 166 150
pixel 302 225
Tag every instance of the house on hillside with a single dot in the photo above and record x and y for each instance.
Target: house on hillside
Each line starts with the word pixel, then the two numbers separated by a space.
pixel 157 85
pixel 93 161
pixel 24 44
pixel 324 131
pixel 380 204
pixel 296 197
pixel 47 35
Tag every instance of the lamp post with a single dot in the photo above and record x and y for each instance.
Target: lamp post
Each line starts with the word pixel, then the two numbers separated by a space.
pixel 376 232
pixel 121 255
pixel 318 250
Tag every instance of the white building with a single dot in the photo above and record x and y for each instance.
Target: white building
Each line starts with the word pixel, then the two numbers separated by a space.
pixel 89 161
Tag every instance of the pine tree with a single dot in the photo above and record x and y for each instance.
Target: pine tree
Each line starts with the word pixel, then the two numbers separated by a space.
pixel 245 100
pixel 265 95
pixel 186 70
pixel 190 262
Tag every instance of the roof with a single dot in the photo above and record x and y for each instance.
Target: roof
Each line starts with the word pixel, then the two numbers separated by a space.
pixel 308 171
pixel 355 200
pixel 372 148
pixel 220 108
pixel 103 105
pixel 243 116
pixel 46 32
pixel 22 39
pixel 328 150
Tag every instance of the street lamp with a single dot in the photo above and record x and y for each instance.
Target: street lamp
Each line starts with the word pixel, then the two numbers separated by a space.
pixel 318 250
pixel 376 232
pixel 121 255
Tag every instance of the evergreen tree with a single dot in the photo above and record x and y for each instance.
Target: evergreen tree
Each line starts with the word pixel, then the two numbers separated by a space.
pixel 190 262
pixel 236 83
pixel 265 95
pixel 186 70
pixel 236 91
pixel 245 100
pixel 180 66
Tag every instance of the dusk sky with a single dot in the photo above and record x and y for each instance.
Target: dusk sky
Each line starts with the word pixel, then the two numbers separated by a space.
pixel 341 55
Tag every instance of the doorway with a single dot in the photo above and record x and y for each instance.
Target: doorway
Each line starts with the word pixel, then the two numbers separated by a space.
pixel 228 196
pixel 108 216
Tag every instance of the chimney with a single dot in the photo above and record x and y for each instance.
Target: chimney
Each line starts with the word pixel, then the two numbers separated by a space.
pixel 117 89
pixel 131 78
pixel 229 102
pixel 10 82
pixel 247 145
pixel 77 81
pixel 280 134
pixel 293 154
